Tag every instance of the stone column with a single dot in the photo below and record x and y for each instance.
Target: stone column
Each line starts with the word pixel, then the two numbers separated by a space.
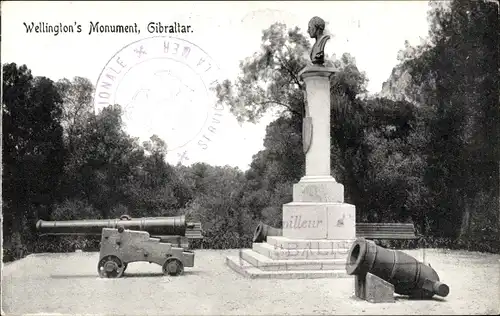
pixel 318 185
pixel 317 80
pixel 318 210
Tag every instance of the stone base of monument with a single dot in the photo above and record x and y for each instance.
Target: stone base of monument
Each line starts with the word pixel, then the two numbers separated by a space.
pixel 318 189
pixel 318 231
pixel 373 289
pixel 319 220
pixel 288 258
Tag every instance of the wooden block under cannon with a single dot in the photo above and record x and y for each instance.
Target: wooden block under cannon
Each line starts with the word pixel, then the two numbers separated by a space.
pixel 373 289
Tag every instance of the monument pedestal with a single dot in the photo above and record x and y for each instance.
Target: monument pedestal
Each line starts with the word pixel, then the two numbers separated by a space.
pixel 316 240
pixel 319 220
pixel 318 227
pixel 318 189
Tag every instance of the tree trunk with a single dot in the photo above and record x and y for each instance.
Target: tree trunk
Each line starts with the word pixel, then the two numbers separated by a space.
pixel 465 228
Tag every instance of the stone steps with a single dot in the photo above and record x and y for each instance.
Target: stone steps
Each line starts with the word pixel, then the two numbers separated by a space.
pixel 238 264
pixel 276 253
pixel 286 258
pixel 288 243
pixel 265 263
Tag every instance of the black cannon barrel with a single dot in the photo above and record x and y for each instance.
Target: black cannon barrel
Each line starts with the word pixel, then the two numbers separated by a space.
pixel 407 274
pixel 175 225
pixel 262 231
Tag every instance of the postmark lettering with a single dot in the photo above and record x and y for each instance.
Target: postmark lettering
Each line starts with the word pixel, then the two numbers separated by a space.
pixel 163 85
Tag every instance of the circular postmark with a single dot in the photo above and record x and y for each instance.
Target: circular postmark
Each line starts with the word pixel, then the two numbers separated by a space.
pixel 163 85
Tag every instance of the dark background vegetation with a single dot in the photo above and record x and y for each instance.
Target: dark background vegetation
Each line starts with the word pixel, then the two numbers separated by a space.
pixel 424 150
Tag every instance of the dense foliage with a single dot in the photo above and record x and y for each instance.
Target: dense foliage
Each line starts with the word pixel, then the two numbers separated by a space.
pixel 424 151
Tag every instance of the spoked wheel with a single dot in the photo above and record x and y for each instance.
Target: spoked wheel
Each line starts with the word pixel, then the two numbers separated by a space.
pixel 173 267
pixel 110 267
pixel 125 267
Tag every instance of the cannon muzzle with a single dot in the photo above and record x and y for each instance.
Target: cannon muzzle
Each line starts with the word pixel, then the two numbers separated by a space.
pixel 408 275
pixel 262 231
pixel 160 226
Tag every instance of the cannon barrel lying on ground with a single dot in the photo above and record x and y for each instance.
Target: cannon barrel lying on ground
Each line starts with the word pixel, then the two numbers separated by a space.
pixel 262 231
pixel 159 227
pixel 407 275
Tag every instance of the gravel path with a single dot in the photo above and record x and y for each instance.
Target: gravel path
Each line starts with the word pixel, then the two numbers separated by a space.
pixel 68 284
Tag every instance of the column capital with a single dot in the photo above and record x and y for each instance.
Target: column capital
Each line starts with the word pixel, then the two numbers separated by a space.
pixel 317 71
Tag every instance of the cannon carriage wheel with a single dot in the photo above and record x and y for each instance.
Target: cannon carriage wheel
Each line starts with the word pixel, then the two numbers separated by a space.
pixel 110 267
pixel 173 267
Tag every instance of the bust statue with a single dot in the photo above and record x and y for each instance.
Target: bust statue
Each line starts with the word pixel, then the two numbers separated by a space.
pixel 315 29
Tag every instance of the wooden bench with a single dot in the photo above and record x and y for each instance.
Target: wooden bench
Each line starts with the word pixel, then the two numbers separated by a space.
pixel 194 232
pixel 386 231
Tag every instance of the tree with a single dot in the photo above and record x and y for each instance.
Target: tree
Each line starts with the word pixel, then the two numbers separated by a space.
pixel 393 162
pixel 77 107
pixel 108 158
pixel 217 204
pixel 269 79
pixel 33 149
pixel 455 74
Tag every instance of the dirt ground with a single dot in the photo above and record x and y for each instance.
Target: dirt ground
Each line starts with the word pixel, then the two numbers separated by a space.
pixel 68 284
